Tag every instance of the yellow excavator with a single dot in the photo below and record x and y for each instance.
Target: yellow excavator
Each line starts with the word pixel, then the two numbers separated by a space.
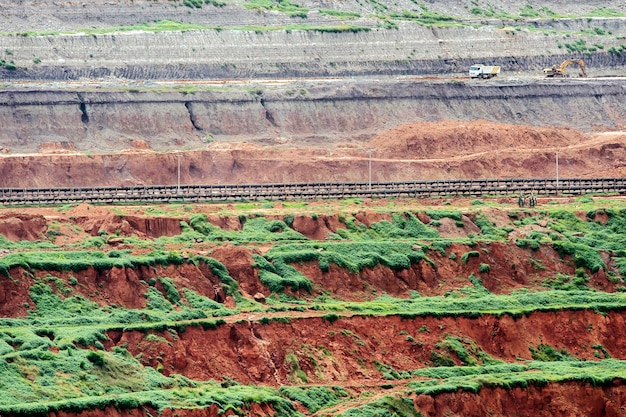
pixel 559 70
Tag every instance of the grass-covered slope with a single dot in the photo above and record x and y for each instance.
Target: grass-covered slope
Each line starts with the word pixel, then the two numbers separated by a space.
pixel 249 315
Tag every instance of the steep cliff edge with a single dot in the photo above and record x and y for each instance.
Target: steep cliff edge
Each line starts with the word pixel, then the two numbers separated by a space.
pixel 313 113
pixel 425 129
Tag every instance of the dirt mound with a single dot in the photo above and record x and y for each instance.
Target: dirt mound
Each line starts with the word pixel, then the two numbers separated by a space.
pixel 99 220
pixel 16 227
pixel 454 138
pixel 429 151
pixel 57 147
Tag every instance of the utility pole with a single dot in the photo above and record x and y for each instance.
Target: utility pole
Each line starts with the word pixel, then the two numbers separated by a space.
pixel 557 173
pixel 178 182
pixel 369 169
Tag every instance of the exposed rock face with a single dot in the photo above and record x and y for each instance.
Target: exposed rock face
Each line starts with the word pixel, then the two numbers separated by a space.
pixel 280 54
pixel 130 225
pixel 25 15
pixel 297 113
pixel 240 350
pixel 113 113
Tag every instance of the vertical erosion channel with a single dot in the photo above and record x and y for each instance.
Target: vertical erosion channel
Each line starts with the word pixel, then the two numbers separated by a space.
pixel 268 114
pixel 83 109
pixel 192 116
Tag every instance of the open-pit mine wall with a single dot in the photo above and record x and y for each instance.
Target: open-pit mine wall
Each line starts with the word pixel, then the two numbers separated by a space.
pixel 295 113
pixel 64 15
pixel 72 40
pixel 410 49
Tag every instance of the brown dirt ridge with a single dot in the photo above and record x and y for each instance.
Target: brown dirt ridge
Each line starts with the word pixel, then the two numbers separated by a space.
pixel 421 150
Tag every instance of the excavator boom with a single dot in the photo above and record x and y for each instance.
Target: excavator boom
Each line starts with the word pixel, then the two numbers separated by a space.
pixel 559 70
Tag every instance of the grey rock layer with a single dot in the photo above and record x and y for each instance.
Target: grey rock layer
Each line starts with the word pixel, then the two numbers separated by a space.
pixel 320 114
pixel 411 49
pixel 240 46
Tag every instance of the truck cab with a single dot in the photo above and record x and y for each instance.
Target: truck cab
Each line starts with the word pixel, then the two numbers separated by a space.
pixel 483 71
pixel 475 71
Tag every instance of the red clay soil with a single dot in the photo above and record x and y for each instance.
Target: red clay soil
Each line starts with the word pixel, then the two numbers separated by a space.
pixel 511 267
pixel 421 150
pixel 255 410
pixel 250 352
pixel 450 139
pixel 17 226
pixel 346 351
pixel 562 400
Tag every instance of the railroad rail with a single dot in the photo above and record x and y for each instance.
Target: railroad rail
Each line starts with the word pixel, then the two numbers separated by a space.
pixel 321 190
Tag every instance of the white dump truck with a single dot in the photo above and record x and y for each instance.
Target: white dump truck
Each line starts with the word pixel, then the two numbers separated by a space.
pixel 483 71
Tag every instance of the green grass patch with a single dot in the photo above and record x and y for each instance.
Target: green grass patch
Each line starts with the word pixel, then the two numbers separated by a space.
pixel 283 6
pixel 508 376
pixel 426 17
pixel 470 254
pixel 353 256
pixel 279 275
pixel 605 12
pixel 82 260
pixel 256 229
pixel 314 398
pixel 341 14
pixel 386 406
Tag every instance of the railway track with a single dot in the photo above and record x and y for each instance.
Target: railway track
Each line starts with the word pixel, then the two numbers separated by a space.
pixel 293 191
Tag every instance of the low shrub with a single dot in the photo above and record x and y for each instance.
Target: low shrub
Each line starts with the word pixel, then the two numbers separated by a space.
pixel 471 254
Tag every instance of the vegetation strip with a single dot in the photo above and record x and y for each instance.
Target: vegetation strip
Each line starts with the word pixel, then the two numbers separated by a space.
pixel 510 376
pixel 201 394
pixel 85 324
pixel 385 15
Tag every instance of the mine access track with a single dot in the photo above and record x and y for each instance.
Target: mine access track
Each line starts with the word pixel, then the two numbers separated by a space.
pixel 296 191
